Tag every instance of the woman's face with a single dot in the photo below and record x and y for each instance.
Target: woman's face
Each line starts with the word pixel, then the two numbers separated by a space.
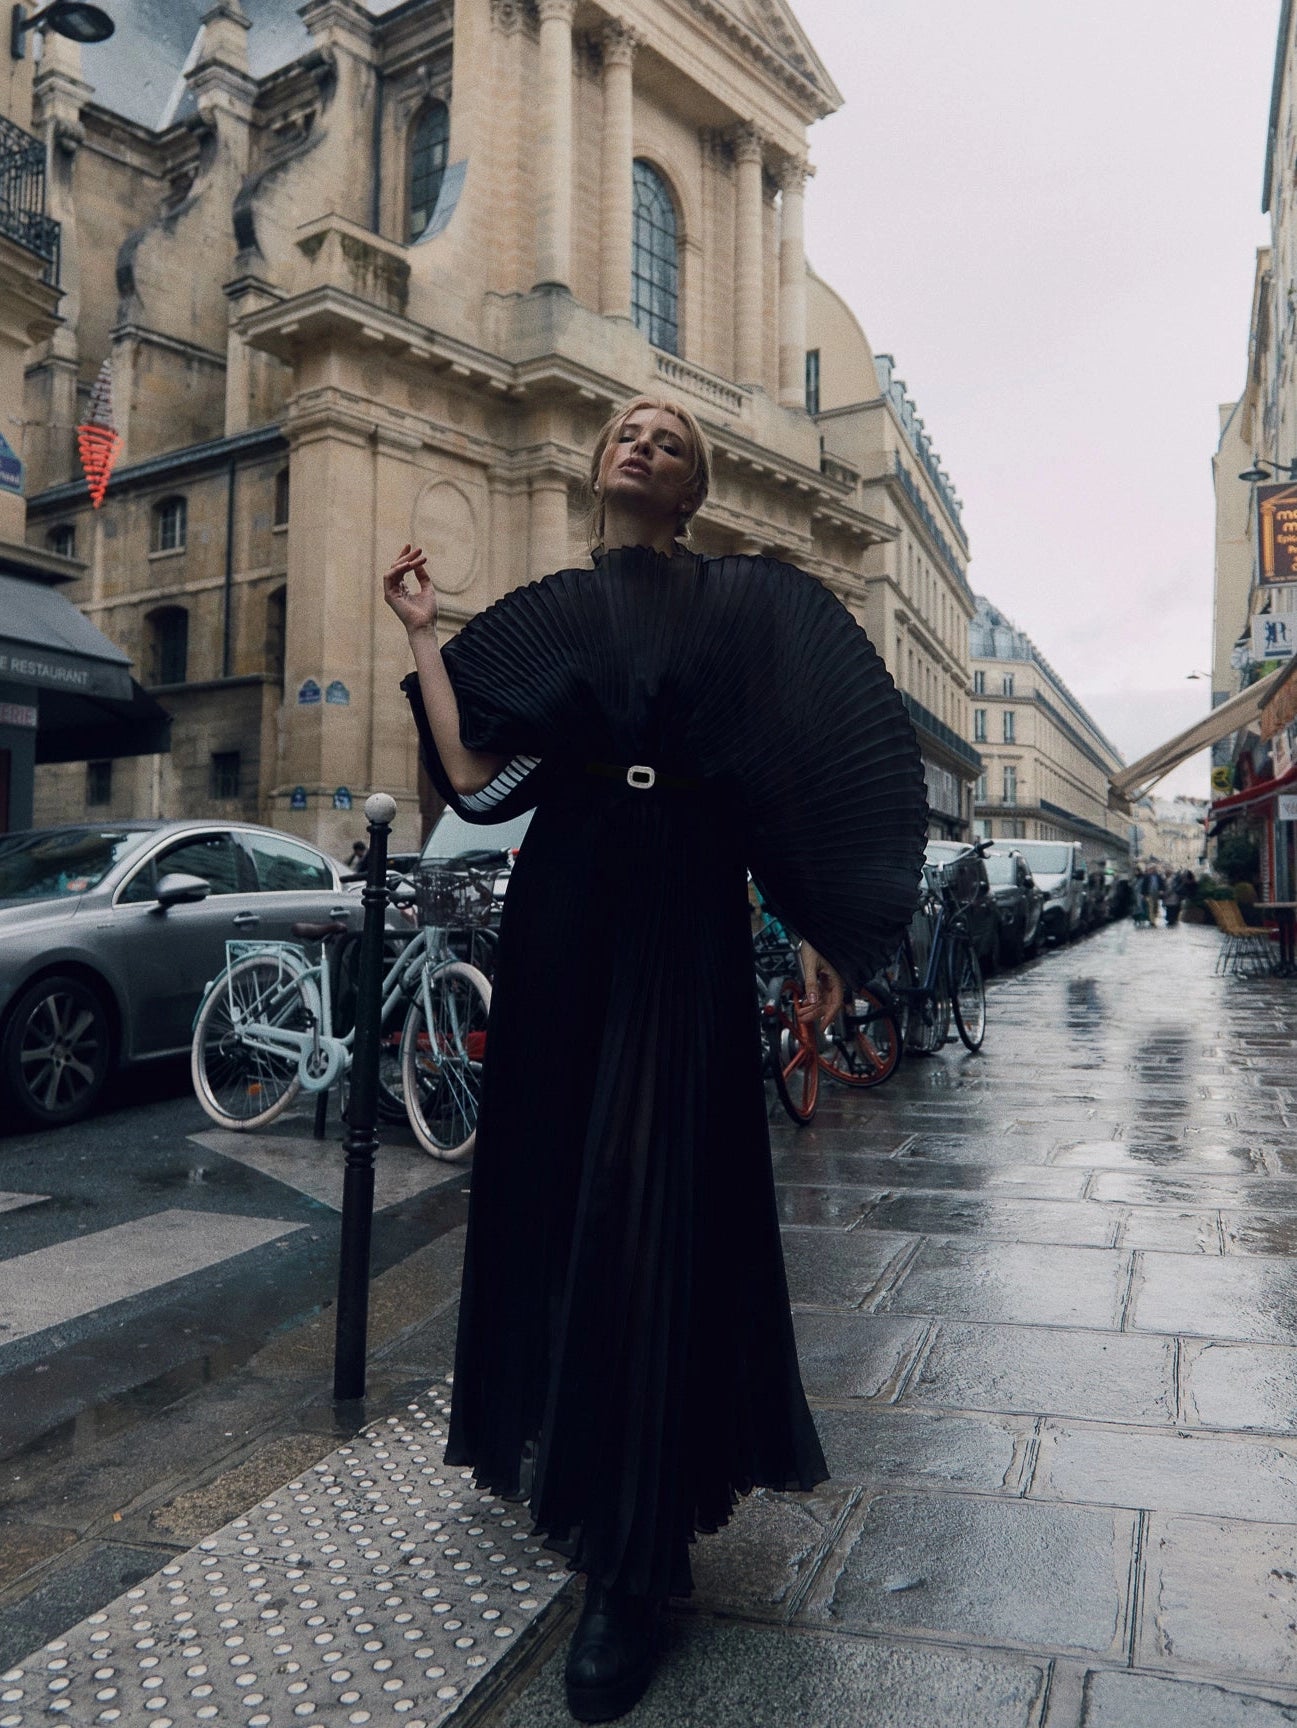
pixel 648 466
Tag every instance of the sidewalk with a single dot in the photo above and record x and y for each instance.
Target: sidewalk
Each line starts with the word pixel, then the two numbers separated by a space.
pixel 1046 1305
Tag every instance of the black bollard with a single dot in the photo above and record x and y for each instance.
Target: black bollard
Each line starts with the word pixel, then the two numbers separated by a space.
pixel 361 1142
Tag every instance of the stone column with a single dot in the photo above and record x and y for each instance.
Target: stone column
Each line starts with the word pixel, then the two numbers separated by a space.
pixel 616 206
pixel 554 145
pixel 749 220
pixel 792 284
pixel 549 547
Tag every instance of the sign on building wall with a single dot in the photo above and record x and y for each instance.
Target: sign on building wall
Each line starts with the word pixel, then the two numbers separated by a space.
pixel 1276 509
pixel 11 468
pixel 1288 806
pixel 1273 635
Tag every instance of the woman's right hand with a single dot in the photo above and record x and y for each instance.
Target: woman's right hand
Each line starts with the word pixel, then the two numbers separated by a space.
pixel 417 610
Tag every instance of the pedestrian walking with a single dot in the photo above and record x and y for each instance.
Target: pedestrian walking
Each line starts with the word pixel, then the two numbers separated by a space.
pixel 625 1357
pixel 1176 892
pixel 1151 885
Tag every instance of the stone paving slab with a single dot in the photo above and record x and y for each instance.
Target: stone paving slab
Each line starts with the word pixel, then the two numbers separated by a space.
pixel 855 1355
pixel 1114 1700
pixel 986 1571
pixel 715 1675
pixel 1058 1371
pixel 1240 1386
pixel 1221 1598
pixel 840 1271
pixel 1008 1218
pixel 1181 1471
pixel 869 1443
pixel 1241 1297
pixel 1032 1285
pixel 379 1587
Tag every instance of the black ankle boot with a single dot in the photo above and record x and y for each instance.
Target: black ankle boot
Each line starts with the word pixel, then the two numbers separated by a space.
pixel 610 1662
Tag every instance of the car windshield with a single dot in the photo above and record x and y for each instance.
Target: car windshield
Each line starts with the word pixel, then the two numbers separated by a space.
pixel 1051 860
pixel 46 864
pixel 452 836
pixel 1000 870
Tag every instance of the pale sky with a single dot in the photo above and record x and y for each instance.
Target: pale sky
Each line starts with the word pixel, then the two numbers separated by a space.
pixel 1048 211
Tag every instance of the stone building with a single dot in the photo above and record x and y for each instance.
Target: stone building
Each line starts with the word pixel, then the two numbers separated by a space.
pixel 1047 765
pixel 376 273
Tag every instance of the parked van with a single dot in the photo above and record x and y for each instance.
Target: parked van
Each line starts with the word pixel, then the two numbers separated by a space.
pixel 1060 870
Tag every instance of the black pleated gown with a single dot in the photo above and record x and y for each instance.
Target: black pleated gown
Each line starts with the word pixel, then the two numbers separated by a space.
pixel 625 1354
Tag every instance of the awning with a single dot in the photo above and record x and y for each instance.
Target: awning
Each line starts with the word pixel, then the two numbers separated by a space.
pixel 1234 803
pixel 1240 710
pixel 88 705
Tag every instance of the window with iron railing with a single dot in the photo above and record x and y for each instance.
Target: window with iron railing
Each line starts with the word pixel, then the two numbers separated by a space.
pixel 22 196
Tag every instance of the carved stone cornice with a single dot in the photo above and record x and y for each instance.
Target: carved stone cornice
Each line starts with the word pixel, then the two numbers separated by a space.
pixel 619 42
pixel 748 142
pixel 510 15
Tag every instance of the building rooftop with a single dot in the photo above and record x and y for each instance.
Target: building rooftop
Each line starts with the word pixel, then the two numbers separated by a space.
pixel 992 636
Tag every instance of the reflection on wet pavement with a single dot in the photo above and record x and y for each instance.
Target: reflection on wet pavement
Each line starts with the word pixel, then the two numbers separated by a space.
pixel 1046 1303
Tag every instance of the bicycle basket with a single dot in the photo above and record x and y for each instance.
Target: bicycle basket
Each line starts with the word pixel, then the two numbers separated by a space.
pixel 447 897
pixel 960 878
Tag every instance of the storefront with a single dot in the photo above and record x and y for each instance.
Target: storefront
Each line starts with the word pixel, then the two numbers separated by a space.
pixel 66 694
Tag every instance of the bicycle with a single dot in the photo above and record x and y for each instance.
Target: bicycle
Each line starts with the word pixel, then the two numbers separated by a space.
pixel 265 1032
pixel 791 1045
pixel 862 1044
pixel 951 983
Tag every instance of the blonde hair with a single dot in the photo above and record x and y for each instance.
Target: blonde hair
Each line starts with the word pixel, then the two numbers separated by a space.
pixel 700 475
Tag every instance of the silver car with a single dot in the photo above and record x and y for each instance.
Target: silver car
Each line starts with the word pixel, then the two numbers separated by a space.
pixel 109 931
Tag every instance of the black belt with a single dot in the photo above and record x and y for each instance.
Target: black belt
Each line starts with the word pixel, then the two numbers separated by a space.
pixel 643 778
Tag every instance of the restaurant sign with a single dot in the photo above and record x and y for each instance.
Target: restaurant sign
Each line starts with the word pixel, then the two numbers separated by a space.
pixel 1274 635
pixel 1288 806
pixel 1276 509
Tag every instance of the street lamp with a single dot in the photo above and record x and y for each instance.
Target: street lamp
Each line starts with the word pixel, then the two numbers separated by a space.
pixel 1267 470
pixel 78 20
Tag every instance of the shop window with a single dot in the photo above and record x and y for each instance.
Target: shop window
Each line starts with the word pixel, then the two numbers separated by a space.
pixel 227 767
pixel 655 260
pixel 99 783
pixel 62 540
pixel 168 644
pixel 170 525
pixel 429 145
pixel 281 498
pixel 979 725
pixel 1008 725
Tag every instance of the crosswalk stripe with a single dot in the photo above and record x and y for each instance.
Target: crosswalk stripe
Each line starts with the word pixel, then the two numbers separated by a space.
pixel 11 1202
pixel 315 1168
pixel 53 1285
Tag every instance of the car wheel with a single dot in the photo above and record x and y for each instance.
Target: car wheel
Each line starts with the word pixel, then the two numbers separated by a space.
pixel 57 1050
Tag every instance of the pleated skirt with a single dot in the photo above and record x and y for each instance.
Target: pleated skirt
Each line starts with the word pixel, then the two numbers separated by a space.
pixel 625 1357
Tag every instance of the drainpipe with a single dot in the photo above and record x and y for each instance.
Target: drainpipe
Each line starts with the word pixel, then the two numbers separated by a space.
pixel 227 620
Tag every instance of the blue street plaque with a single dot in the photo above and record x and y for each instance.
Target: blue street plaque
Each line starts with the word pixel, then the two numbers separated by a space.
pixel 338 693
pixel 11 468
pixel 308 694
pixel 298 799
pixel 342 799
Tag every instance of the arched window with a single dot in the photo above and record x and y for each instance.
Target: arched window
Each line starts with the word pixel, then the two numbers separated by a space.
pixel 170 525
pixel 655 261
pixel 429 143
pixel 168 639
pixel 62 539
pixel 281 498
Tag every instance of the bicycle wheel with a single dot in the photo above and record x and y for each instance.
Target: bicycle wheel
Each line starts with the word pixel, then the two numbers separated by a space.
pixel 864 1042
pixel 238 1083
pixel 794 1059
pixel 441 1058
pixel 967 992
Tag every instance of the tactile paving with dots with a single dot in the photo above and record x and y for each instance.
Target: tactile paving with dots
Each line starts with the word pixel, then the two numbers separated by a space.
pixel 377 1589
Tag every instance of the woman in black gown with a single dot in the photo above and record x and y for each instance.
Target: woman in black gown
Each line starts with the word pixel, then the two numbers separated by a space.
pixel 625 1355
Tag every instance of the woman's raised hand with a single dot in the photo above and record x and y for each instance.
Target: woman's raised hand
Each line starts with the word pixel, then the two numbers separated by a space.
pixel 417 610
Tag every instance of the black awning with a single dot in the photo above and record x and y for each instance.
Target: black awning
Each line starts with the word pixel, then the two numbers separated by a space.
pixel 75 728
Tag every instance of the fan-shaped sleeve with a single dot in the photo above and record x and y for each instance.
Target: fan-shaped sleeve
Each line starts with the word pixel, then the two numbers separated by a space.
pixel 830 775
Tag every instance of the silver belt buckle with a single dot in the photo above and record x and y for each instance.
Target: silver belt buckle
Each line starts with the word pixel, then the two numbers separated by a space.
pixel 641 776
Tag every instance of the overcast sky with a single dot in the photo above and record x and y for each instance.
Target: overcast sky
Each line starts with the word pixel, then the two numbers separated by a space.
pixel 1049 213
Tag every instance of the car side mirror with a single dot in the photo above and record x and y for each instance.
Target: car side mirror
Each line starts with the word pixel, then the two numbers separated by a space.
pixel 178 889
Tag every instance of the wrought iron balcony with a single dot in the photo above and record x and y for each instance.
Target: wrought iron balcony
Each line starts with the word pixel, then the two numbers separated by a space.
pixel 22 196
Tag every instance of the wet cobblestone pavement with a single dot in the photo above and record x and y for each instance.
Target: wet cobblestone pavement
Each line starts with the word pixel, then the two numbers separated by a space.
pixel 1046 1301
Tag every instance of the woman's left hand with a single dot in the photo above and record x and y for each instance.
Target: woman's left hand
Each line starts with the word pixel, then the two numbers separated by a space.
pixel 825 991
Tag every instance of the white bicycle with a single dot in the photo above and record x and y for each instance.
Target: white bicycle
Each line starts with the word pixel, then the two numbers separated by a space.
pixel 265 1030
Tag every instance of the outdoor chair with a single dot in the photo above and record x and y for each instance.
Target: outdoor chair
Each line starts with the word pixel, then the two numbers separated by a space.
pixel 1246 948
